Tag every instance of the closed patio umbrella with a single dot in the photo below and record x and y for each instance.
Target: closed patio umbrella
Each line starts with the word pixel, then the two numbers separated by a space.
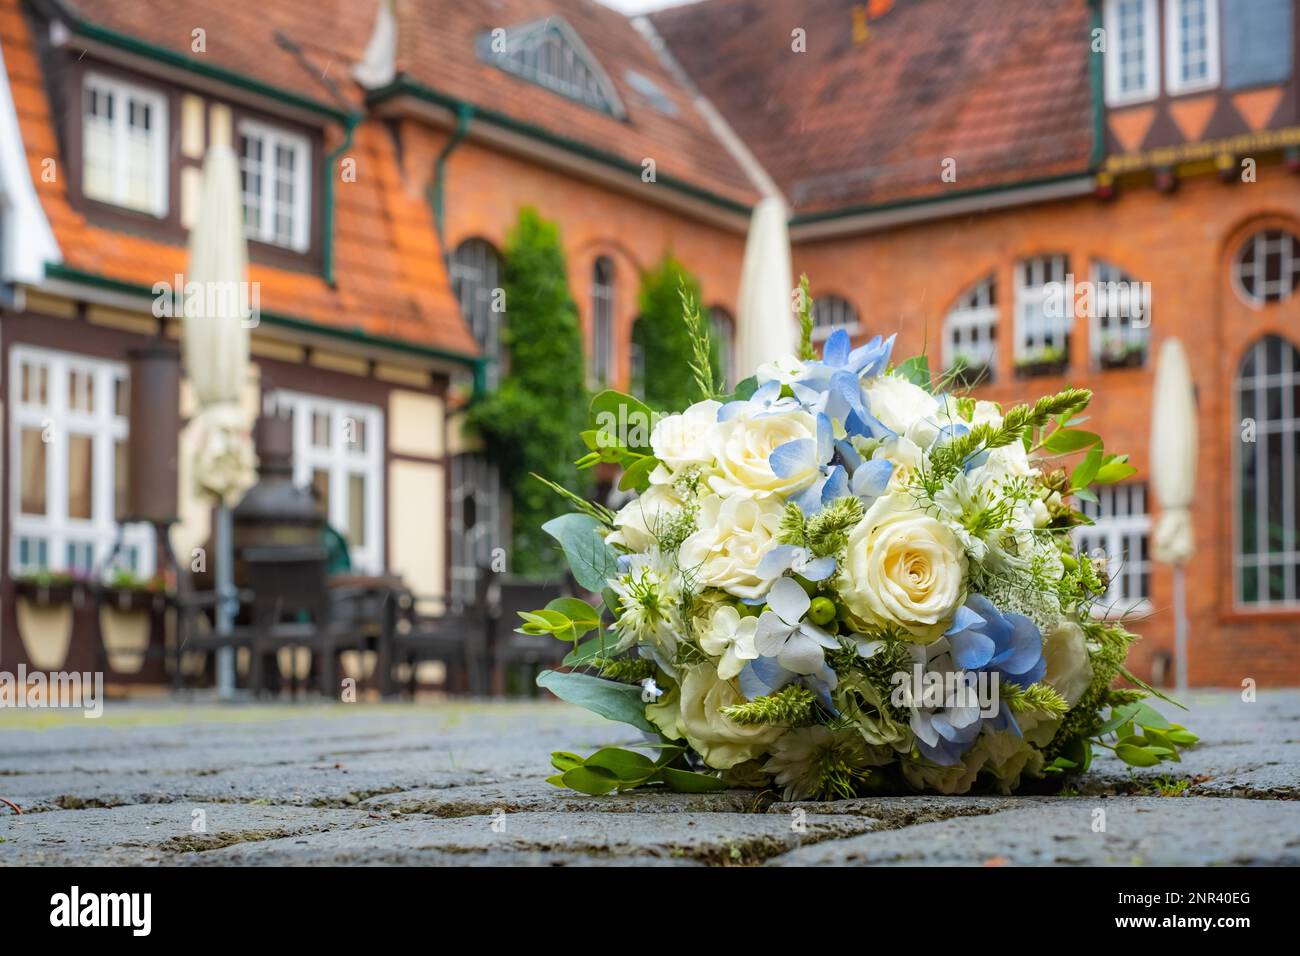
pixel 1173 474
pixel 216 362
pixel 767 328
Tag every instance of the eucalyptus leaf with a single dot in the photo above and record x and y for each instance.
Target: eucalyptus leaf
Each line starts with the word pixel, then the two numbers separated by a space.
pixel 610 699
pixel 917 371
pixel 628 765
pixel 590 559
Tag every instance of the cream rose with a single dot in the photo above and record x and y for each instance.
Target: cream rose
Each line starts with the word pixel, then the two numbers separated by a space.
pixel 742 446
pixel 733 536
pixel 904 568
pixel 639 521
pixel 721 742
pixel 904 408
pixel 682 440
pixel 1069 668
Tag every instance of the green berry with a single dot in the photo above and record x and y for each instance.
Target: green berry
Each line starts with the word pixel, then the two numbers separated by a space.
pixel 821 611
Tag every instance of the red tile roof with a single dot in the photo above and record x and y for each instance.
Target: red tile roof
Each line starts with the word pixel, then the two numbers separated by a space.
pixel 1000 86
pixel 390 281
pixel 437 47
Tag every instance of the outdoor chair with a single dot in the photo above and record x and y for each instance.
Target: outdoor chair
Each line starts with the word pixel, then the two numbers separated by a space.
pixel 458 638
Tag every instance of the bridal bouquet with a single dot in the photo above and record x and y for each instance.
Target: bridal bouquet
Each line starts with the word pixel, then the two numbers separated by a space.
pixel 844 578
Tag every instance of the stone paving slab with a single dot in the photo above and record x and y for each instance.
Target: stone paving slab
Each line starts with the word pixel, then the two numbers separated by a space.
pixel 1139 831
pixel 710 837
pixel 156 833
pixel 311 783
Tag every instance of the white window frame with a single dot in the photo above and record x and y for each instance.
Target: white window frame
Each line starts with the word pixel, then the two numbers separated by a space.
pixel 1120 522
pixel 473 476
pixel 1174 83
pixel 1287 426
pixel 105 428
pixel 1115 96
pixel 975 314
pixel 1288 283
pixel 273 137
pixel 603 292
pixel 1033 275
pixel 1107 322
pixel 159 172
pixel 843 315
pixel 339 462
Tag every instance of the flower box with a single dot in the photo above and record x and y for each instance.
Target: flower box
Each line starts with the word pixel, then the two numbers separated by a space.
pixel 46 591
pixel 1131 358
pixel 1033 368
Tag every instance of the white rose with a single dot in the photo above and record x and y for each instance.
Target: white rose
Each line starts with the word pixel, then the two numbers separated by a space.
pixel 722 743
pixel 681 440
pixel 730 637
pixel 1069 669
pixel 733 536
pixel 742 446
pixel 639 522
pixel 903 408
pixel 908 458
pixel 904 568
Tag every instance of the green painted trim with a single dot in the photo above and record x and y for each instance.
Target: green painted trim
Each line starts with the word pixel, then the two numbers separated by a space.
pixel 54 270
pixel 130 44
pixel 437 189
pixel 1097 80
pixel 327 225
pixel 849 211
pixel 404 86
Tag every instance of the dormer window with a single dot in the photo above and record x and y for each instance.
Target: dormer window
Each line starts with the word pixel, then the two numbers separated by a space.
pixel 275 175
pixel 124 145
pixel 551 54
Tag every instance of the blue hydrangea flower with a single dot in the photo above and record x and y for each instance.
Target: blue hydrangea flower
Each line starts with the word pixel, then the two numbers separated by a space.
pixel 982 638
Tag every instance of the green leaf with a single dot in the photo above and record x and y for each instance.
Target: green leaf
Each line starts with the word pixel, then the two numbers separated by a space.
pixel 1136 756
pixel 1113 472
pixel 590 559
pixel 686 781
pixel 628 765
pixel 1183 738
pixel 1118 716
pixel 1087 469
pixel 1086 495
pixel 628 419
pixel 745 389
pixel 562 760
pixel 583 616
pixel 594 781
pixel 917 371
pixel 637 475
pixel 1146 716
pixel 1063 441
pixel 1079 752
pixel 556 781
pixel 610 699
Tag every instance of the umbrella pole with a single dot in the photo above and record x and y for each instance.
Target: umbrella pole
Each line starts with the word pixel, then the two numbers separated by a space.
pixel 225 606
pixel 1180 629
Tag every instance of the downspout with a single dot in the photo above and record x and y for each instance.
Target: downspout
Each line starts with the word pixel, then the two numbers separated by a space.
pixel 437 193
pixel 350 124
pixel 464 113
pixel 1098 93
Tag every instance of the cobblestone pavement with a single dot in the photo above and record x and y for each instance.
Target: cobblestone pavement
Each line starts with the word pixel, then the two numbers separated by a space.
pixel 463 783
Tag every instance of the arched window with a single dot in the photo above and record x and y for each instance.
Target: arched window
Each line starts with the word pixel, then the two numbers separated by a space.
pixel 1267 553
pixel 602 321
pixel 1043 317
pixel 831 312
pixel 1267 267
pixel 970 346
pixel 475 278
pixel 723 328
pixel 1121 318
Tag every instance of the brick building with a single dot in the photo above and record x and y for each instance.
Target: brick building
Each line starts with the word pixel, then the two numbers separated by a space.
pixel 943 163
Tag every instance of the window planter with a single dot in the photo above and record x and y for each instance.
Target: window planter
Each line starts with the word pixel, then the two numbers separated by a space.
pixel 1133 358
pixel 133 598
pixel 49 590
pixel 1032 368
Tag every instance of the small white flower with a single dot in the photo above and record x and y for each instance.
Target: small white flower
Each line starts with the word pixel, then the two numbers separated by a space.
pixel 730 637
